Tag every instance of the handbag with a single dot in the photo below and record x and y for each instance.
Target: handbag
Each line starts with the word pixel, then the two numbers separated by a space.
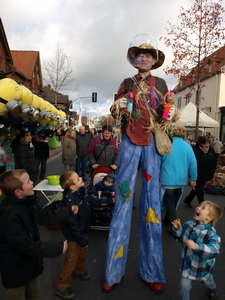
pixel 162 140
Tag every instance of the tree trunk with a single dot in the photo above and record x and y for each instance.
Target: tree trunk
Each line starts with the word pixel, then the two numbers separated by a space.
pixel 198 99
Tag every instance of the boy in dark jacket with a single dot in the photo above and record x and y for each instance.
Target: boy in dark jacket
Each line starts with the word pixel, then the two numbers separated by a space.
pixel 75 231
pixel 21 250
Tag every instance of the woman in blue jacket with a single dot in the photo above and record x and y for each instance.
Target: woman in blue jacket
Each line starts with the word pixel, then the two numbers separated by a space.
pixel 174 172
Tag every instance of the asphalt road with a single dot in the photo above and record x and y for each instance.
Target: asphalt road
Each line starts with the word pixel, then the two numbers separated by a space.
pixel 132 286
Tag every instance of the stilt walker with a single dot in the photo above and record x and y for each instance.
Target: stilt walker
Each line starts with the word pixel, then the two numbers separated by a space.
pixel 135 98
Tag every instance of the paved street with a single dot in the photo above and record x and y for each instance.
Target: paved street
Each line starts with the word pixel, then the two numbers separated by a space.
pixel 132 286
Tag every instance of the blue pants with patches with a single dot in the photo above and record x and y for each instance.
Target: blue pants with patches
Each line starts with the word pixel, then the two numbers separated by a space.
pixel 150 230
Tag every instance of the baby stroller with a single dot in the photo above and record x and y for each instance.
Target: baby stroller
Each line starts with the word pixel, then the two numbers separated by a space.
pixel 103 202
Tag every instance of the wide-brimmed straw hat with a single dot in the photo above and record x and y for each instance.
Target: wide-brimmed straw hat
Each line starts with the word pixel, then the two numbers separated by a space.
pixel 145 42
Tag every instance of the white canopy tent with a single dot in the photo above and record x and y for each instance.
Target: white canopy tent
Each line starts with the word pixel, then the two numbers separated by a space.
pixel 188 118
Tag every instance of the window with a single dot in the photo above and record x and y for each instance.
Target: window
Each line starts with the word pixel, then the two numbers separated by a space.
pixel 179 102
pixel 188 99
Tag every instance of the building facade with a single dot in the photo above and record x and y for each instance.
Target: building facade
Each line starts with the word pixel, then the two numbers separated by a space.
pixel 212 101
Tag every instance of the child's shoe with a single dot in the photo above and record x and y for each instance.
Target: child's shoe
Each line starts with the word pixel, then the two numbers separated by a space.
pixel 83 276
pixel 65 294
pixel 212 294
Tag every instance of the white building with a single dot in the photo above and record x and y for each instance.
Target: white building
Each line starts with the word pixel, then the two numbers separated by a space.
pixel 212 93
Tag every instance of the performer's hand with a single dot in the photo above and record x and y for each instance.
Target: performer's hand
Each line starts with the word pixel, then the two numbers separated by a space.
pixel 190 244
pixel 123 102
pixel 171 112
pixel 65 246
pixel 176 224
pixel 75 209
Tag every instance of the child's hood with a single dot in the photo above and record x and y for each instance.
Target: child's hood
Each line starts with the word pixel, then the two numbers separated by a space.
pixel 110 175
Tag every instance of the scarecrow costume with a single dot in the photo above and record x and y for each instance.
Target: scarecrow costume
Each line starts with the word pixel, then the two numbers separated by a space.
pixel 138 145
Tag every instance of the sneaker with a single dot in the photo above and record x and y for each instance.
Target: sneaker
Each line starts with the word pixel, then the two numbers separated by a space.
pixel 187 203
pixel 65 294
pixel 83 276
pixel 212 294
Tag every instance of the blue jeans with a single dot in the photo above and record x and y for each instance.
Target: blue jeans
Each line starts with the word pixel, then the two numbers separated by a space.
pixel 150 229
pixel 186 284
pixel 81 165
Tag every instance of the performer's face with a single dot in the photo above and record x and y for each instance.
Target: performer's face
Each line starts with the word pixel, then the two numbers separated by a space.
pixel 144 61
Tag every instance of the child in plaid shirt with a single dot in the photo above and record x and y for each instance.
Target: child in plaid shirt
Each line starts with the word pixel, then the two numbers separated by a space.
pixel 200 246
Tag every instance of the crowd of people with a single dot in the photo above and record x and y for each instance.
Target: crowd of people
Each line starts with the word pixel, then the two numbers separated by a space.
pixel 163 180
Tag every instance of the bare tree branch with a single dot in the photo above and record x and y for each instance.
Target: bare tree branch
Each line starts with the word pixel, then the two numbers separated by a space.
pixel 199 33
pixel 58 71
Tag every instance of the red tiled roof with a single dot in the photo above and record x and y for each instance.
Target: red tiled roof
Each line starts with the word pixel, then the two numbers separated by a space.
pixel 25 61
pixel 211 65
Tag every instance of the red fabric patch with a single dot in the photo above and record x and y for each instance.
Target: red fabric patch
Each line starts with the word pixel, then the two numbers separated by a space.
pixel 147 176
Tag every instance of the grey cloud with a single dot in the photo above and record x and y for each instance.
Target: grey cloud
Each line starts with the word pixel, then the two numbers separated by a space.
pixel 94 33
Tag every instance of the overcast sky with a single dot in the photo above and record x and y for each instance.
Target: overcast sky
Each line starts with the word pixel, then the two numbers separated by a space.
pixel 95 34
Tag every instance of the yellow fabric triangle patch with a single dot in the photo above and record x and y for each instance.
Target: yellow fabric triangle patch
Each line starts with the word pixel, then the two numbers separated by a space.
pixel 151 216
pixel 119 253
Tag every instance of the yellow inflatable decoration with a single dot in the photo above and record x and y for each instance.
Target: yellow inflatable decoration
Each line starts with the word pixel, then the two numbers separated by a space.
pixel 42 108
pixel 10 95
pixel 35 106
pixel 20 106
pixel 26 99
pixel 48 109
